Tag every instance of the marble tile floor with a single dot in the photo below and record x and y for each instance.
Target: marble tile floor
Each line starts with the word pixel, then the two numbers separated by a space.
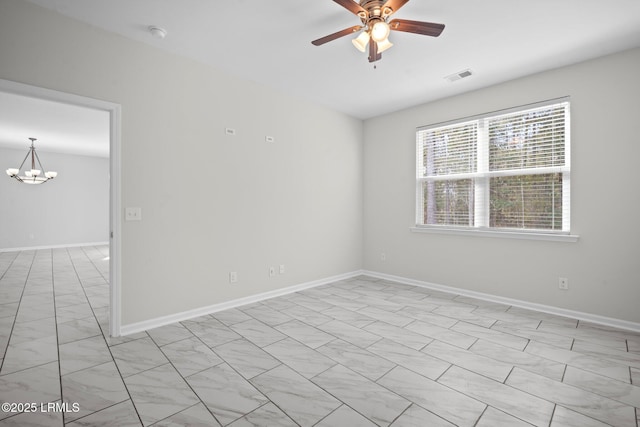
pixel 358 352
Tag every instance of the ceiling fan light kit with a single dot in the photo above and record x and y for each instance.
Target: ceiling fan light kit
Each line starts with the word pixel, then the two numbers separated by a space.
pixel 361 41
pixel 380 31
pixel 376 27
pixel 384 45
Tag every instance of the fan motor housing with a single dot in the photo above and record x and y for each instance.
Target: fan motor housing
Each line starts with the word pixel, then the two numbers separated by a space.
pixel 375 9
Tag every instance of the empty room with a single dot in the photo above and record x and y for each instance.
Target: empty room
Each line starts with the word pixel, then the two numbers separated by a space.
pixel 334 213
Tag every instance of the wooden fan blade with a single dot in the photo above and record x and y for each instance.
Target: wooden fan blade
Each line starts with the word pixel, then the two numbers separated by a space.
pixel 351 6
pixel 336 35
pixel 395 4
pixel 374 55
pixel 417 27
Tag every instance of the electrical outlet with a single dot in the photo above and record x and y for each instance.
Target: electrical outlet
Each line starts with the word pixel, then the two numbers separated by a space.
pixel 272 271
pixel 281 268
pixel 233 277
pixel 563 283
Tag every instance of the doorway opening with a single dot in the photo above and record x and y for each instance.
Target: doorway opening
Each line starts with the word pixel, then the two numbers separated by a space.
pixel 114 120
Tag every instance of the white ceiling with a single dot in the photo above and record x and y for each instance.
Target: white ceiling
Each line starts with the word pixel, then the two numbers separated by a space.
pixel 270 42
pixel 58 127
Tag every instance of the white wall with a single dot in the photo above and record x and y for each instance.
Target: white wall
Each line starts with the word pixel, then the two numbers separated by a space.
pixel 72 209
pixel 602 267
pixel 213 204
pixel 210 203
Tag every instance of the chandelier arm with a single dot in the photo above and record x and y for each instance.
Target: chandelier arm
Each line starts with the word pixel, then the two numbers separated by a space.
pixel 38 158
pixel 25 159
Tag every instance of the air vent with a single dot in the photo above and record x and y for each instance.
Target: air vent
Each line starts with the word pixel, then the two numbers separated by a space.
pixel 457 76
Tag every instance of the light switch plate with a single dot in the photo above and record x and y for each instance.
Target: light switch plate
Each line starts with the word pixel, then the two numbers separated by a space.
pixel 133 214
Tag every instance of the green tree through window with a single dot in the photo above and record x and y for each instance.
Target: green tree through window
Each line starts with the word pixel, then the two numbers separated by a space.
pixel 507 170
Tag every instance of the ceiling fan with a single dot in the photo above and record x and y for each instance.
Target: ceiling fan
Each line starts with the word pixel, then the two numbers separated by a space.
pixel 376 26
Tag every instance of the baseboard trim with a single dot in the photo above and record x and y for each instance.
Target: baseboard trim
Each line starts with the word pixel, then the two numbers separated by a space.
pixel 36 248
pixel 144 325
pixel 579 315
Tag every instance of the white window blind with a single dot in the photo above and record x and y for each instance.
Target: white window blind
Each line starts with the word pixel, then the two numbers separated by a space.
pixel 505 170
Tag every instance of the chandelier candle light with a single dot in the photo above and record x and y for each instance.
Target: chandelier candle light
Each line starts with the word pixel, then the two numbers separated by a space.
pixel 31 176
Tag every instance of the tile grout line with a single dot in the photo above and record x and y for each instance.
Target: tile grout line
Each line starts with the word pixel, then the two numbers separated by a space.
pixel 298 373
pixel 83 263
pixel 226 362
pixel 553 413
pixel 55 317
pixel 15 318
pixel 182 376
pixel 73 265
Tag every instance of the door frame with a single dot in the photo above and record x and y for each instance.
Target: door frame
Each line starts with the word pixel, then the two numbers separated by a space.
pixel 114 110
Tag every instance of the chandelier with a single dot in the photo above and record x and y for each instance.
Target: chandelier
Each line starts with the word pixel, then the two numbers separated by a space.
pixel 31 176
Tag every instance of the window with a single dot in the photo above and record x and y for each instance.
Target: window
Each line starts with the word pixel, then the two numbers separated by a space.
pixel 505 171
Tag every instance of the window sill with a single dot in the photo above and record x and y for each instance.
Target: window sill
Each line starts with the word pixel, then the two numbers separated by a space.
pixel 557 237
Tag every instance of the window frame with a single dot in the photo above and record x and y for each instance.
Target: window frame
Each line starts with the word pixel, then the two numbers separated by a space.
pixel 482 176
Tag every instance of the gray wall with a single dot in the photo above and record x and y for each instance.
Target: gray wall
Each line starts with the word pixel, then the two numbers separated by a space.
pixel 602 267
pixel 210 203
pixel 70 210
